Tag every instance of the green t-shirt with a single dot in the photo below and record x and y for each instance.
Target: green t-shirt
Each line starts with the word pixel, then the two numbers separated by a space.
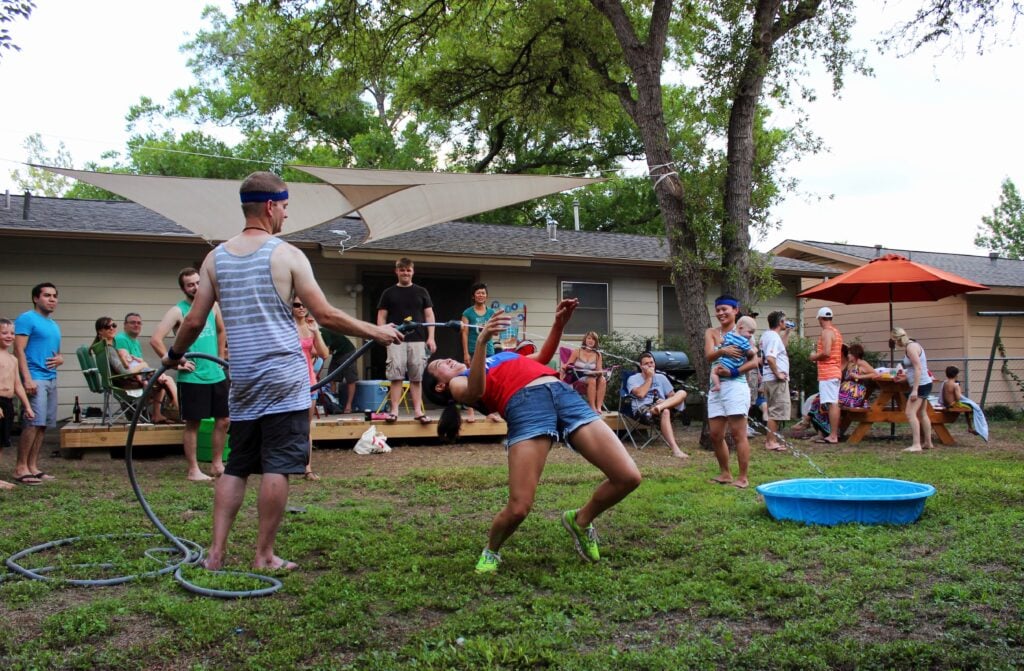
pixel 206 372
pixel 125 341
pixel 336 342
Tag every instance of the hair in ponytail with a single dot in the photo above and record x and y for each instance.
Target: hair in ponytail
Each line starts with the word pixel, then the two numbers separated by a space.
pixel 450 423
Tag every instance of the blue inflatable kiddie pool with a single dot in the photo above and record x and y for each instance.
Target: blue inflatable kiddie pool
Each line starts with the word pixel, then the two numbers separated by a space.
pixel 830 501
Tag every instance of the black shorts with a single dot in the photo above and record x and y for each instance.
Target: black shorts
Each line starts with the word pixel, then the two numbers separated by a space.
pixel 277 443
pixel 7 421
pixel 347 376
pixel 199 401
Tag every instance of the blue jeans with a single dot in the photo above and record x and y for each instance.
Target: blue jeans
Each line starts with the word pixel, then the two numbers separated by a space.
pixel 551 409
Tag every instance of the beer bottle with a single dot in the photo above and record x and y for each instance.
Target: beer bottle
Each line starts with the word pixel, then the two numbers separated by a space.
pixel 77 412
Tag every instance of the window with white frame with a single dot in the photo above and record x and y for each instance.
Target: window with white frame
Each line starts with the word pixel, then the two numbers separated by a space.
pixel 592 312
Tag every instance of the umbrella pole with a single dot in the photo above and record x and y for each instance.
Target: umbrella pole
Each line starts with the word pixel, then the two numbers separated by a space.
pixel 892 362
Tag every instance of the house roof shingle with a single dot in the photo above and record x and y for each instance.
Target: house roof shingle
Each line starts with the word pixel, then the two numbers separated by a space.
pixel 993 272
pixel 95 217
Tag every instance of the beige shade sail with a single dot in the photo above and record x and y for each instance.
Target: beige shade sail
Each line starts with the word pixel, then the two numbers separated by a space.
pixel 435 197
pixel 390 202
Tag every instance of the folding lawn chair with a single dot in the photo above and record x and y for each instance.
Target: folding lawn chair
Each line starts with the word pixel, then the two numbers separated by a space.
pixel 637 429
pixel 127 400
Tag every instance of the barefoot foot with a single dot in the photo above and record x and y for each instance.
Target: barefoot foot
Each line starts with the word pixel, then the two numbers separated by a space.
pixel 198 476
pixel 276 564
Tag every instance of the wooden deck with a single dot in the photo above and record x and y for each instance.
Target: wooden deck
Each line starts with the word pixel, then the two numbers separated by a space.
pixel 92 434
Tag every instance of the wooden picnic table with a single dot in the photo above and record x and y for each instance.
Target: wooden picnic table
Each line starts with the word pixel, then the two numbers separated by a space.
pixel 890 406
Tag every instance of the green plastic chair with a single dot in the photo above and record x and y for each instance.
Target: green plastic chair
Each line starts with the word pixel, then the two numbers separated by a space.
pixel 127 399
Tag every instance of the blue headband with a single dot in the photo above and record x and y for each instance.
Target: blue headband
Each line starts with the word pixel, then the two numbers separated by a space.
pixel 727 301
pixel 263 196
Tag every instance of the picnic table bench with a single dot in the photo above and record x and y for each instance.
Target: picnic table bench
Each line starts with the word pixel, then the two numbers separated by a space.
pixel 890 406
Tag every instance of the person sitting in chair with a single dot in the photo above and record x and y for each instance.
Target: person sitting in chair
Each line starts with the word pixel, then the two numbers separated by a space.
pixel 653 399
pixel 585 365
pixel 132 376
pixel 130 350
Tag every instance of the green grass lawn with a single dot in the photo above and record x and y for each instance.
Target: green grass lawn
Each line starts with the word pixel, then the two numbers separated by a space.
pixel 693 575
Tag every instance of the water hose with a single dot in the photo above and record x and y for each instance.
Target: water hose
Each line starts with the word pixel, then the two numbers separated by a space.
pixel 186 552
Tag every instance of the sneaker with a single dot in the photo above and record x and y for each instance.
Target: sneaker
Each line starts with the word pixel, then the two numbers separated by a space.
pixel 488 562
pixel 584 539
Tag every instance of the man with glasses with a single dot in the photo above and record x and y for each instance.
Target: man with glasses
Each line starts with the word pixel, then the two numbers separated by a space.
pixel 202 384
pixel 130 350
pixel 37 346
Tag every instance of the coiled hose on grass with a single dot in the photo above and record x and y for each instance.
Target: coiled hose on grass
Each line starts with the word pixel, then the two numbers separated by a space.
pixel 183 553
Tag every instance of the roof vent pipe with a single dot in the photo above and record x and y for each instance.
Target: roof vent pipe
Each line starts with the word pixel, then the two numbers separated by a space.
pixel 7 203
pixel 878 250
pixel 28 204
pixel 576 213
pixel 993 255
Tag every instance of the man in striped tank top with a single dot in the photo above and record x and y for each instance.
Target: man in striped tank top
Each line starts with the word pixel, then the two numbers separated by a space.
pixel 254 276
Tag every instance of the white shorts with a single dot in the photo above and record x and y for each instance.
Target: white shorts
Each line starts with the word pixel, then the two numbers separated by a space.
pixel 732 399
pixel 828 391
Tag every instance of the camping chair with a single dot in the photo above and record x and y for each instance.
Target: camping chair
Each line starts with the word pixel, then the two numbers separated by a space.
pixel 578 383
pixel 635 429
pixel 127 399
pixel 89 372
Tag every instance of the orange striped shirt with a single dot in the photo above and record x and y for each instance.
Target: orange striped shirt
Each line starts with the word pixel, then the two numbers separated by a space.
pixel 832 367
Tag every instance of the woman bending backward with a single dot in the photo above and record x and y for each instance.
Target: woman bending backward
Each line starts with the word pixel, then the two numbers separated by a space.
pixel 539 409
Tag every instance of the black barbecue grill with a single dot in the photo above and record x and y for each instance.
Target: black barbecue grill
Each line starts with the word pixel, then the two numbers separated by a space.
pixel 675 365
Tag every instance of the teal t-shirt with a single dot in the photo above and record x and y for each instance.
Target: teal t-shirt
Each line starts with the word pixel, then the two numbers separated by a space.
pixel 206 372
pixel 477 320
pixel 125 341
pixel 43 342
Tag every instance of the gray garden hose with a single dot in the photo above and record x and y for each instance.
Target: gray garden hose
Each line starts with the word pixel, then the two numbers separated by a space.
pixel 188 553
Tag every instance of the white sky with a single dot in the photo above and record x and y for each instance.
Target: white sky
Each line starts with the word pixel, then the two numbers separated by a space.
pixel 917 153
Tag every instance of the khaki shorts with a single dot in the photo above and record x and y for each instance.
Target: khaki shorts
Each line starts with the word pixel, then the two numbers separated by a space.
pixel 407 358
pixel 776 395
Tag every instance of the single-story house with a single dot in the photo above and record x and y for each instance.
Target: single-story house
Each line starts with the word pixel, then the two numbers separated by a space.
pixel 112 257
pixel 951 330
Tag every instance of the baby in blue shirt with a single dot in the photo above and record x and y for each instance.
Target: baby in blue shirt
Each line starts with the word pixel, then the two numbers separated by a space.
pixel 741 338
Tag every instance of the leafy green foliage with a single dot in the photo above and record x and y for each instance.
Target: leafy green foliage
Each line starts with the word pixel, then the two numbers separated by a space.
pixel 11 10
pixel 36 180
pixel 1003 230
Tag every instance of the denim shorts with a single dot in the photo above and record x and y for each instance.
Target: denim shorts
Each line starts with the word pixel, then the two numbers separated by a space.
pixel 553 409
pixel 923 391
pixel 44 403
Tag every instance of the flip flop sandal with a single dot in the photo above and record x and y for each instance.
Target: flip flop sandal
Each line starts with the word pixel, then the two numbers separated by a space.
pixel 30 480
pixel 43 476
pixel 423 419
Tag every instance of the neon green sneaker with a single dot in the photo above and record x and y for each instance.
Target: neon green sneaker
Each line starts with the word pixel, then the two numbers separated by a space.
pixel 488 562
pixel 584 539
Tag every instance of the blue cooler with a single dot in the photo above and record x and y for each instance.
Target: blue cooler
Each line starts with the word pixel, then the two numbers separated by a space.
pixel 369 395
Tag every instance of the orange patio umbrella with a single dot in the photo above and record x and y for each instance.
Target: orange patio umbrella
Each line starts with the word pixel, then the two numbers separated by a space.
pixel 891 278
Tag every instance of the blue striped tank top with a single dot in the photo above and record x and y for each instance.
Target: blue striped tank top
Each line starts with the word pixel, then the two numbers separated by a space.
pixel 268 372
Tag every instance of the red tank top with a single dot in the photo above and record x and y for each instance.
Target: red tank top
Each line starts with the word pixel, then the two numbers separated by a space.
pixel 507 373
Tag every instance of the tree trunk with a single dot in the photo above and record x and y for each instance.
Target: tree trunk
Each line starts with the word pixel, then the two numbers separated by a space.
pixel 769 26
pixel 644 106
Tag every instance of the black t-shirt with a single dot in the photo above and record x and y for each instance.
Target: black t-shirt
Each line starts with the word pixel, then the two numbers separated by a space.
pixel 403 302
